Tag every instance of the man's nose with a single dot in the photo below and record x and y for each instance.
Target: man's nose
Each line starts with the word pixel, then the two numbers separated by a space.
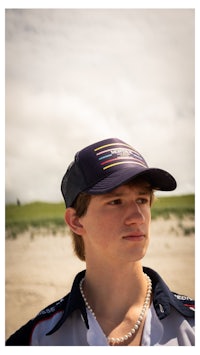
pixel 134 214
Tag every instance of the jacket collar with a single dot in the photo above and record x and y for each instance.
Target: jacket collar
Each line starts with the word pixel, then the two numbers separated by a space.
pixel 163 299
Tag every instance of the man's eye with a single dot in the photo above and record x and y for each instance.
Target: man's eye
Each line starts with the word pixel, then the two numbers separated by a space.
pixel 142 201
pixel 115 202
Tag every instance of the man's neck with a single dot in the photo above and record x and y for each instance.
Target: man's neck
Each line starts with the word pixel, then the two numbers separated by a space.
pixel 113 290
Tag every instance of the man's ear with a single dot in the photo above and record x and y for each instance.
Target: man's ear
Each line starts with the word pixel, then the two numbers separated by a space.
pixel 73 221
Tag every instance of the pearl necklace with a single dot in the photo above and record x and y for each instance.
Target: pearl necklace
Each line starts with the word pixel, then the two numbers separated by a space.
pixel 134 329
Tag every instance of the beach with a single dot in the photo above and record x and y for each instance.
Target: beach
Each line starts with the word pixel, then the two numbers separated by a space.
pixel 40 266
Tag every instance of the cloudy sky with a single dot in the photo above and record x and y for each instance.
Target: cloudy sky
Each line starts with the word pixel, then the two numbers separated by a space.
pixel 77 76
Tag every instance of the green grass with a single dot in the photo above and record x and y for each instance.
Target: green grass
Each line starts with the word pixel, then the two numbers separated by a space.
pixel 51 215
pixel 36 214
pixel 174 205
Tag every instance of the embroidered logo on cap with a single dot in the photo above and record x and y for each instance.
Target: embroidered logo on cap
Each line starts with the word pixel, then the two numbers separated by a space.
pixel 113 154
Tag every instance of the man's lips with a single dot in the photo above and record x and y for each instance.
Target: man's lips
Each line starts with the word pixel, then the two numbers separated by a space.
pixel 134 237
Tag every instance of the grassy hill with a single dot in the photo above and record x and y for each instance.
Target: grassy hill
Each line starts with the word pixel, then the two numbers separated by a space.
pixel 51 215
pixel 35 214
pixel 174 205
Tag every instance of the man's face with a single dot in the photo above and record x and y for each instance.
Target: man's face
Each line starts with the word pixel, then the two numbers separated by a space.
pixel 116 225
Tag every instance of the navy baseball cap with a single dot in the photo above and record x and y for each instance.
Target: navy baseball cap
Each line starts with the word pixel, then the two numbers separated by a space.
pixel 105 165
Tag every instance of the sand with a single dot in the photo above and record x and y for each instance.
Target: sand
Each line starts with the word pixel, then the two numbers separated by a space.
pixel 40 267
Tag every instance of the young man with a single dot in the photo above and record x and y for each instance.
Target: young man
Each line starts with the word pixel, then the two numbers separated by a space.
pixel 108 190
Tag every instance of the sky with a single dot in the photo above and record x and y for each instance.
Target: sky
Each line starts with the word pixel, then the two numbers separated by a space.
pixel 76 76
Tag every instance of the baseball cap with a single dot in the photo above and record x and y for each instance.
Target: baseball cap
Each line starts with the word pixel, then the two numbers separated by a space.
pixel 101 167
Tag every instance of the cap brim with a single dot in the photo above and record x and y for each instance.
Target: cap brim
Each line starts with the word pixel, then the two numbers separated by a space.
pixel 158 178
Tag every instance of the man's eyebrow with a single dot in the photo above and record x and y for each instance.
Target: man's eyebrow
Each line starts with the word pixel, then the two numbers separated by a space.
pixel 114 194
pixel 146 191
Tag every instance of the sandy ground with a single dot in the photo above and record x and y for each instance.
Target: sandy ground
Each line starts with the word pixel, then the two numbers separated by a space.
pixel 40 267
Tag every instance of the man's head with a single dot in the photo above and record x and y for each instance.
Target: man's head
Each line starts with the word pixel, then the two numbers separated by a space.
pixel 102 167
pixel 80 208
